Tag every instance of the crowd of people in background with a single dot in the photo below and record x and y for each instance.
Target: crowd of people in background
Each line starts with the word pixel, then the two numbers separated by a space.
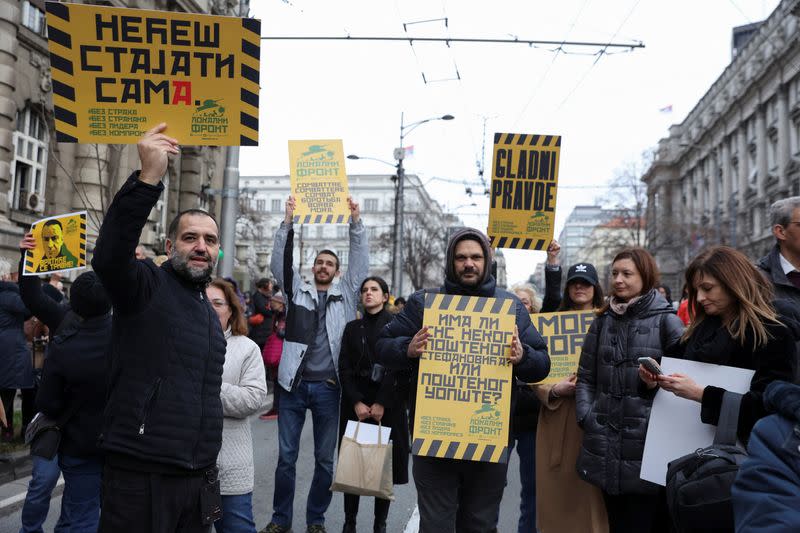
pixel 154 372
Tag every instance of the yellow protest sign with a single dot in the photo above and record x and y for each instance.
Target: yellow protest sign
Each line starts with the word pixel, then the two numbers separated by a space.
pixel 118 72
pixel 463 408
pixel 319 181
pixel 60 244
pixel 522 212
pixel 564 334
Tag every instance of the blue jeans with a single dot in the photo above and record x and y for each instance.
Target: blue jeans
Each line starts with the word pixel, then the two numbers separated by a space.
pixel 80 504
pixel 237 514
pixel 526 449
pixel 37 501
pixel 322 398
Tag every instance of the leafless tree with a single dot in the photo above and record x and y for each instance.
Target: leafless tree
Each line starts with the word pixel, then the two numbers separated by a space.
pixel 423 248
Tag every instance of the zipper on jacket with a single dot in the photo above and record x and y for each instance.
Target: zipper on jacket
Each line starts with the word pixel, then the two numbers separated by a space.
pixel 148 404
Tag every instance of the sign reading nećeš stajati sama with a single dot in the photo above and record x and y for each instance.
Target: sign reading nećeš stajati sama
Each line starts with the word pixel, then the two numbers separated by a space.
pixel 118 72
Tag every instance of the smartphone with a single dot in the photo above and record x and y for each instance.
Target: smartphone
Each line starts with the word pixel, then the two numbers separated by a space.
pixel 651 365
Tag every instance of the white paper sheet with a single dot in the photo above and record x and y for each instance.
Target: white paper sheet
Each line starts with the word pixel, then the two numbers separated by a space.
pixel 675 428
pixel 367 433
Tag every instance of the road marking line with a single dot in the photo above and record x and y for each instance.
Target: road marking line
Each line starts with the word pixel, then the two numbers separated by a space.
pixel 413 522
pixel 11 500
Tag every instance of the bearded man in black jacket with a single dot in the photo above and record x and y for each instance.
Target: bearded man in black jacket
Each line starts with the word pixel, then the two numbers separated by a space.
pixel 162 427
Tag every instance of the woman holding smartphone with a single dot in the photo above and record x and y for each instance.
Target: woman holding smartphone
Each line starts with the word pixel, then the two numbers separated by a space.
pixel 564 501
pixel 734 323
pixel 613 403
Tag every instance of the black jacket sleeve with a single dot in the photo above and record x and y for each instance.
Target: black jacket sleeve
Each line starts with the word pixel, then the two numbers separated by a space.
pixel 47 310
pixel 50 398
pixel 347 365
pixel 774 361
pixel 552 290
pixel 587 372
pixel 535 364
pixel 392 346
pixel 129 283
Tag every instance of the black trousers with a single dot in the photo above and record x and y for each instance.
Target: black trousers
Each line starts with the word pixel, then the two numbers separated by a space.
pixel 351 508
pixel 637 512
pixel 155 503
pixel 460 496
pixel 28 407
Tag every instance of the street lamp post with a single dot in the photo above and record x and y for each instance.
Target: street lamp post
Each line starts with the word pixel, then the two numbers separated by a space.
pixel 399 204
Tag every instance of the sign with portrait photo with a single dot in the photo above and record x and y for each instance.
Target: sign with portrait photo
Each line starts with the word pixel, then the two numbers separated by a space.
pixel 60 244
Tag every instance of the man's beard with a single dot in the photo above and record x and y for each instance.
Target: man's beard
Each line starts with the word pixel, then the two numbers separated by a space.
pixel 469 283
pixel 195 274
pixel 318 279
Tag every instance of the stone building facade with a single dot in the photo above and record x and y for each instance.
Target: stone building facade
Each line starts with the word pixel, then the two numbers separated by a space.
pixel 738 150
pixel 40 177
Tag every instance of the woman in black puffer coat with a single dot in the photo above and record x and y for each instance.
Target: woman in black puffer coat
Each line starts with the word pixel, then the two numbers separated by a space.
pixel 613 403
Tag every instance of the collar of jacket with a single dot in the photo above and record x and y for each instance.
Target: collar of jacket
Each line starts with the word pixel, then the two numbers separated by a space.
pixel 648 304
pixel 486 289
pixel 189 284
pixel 334 291
pixel 771 263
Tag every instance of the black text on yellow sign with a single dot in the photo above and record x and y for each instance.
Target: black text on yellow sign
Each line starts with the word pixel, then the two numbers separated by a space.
pixel 524 190
pixel 465 379
pixel 564 333
pixel 118 72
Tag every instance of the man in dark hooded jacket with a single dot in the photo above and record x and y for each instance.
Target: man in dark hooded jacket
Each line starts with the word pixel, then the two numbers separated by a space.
pixel 460 495
pixel 781 265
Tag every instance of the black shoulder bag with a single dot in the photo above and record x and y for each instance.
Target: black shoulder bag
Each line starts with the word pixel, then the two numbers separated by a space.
pixel 43 433
pixel 699 484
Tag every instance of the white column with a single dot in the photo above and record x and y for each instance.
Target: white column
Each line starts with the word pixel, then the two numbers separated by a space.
pixel 784 156
pixel 761 151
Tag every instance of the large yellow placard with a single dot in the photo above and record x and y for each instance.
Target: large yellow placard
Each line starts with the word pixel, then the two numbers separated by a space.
pixel 319 181
pixel 118 72
pixel 564 333
pixel 463 407
pixel 60 244
pixel 522 212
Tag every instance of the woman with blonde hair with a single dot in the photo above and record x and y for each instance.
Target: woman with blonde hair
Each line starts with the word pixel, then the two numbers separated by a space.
pixel 734 323
pixel 527 295
pixel 243 393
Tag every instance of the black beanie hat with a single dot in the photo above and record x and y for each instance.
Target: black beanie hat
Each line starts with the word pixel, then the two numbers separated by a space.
pixel 88 297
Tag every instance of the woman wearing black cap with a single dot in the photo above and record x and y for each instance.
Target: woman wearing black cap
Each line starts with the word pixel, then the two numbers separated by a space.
pixel 564 501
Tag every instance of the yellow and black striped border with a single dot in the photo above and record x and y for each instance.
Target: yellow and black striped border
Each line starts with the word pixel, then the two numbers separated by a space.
pixel 530 141
pixel 63 72
pixel 30 267
pixel 251 57
pixel 318 219
pixel 453 449
pixel 470 304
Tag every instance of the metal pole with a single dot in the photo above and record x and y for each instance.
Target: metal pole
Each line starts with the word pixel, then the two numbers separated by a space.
pixel 230 211
pixel 397 264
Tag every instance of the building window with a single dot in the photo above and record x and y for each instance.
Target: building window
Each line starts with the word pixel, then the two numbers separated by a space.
pixel 341 232
pixel 33 18
pixel 344 257
pixel 370 205
pixel 772 151
pixel 29 167
pixel 320 232
pixel 276 205
pixel 261 205
pixel 372 231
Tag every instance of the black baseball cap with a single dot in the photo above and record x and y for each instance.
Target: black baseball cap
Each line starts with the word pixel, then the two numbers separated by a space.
pixel 584 271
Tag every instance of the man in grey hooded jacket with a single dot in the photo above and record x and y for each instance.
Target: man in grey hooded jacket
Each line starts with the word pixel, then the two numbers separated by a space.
pixel 452 494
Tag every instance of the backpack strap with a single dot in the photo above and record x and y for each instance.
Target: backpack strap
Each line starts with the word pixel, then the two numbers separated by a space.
pixel 728 419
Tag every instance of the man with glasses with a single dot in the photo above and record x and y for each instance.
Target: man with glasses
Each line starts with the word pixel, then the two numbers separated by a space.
pixel 162 427
pixel 782 264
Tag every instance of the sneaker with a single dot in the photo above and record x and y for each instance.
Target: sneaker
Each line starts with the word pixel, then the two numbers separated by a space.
pixel 316 528
pixel 272 527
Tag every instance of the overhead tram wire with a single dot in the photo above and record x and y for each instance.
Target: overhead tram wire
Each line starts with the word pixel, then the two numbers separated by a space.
pixel 410 40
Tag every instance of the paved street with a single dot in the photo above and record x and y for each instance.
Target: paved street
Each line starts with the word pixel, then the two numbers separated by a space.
pixel 266 453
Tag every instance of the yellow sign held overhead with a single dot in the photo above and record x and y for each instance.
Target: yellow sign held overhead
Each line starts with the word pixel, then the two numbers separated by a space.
pixel 522 211
pixel 119 72
pixel 463 408
pixel 60 244
pixel 319 182
pixel 564 334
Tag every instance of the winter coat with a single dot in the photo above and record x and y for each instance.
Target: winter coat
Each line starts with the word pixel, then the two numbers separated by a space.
pixel 766 494
pixel 259 333
pixel 164 411
pixel 356 361
pixel 302 298
pixel 396 336
pixel 774 361
pixel 770 266
pixel 564 502
pixel 243 393
pixel 612 402
pixel 16 365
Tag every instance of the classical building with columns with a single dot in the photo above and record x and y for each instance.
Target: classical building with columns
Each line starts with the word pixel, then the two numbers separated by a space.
pixel 40 177
pixel 716 174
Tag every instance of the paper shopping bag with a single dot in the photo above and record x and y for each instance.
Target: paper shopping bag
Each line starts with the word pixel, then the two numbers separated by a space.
pixel 364 469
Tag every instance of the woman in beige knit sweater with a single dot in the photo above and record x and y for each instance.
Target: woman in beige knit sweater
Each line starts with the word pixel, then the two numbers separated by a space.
pixel 564 502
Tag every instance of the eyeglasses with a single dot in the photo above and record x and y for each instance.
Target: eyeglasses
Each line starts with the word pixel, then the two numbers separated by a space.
pixel 219 303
